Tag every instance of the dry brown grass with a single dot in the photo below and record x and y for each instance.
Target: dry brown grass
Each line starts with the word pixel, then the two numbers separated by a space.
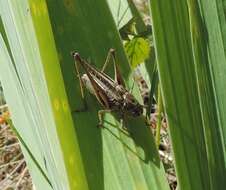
pixel 13 169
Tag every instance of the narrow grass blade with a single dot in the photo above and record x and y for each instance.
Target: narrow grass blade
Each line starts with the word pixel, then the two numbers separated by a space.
pixel 208 104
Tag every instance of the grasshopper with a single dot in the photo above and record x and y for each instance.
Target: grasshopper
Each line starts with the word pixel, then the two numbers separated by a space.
pixel 111 94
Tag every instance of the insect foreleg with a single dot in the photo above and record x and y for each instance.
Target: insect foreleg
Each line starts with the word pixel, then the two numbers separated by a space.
pixel 84 108
pixel 100 116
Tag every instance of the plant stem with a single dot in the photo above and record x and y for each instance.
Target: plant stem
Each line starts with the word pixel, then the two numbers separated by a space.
pixel 159 119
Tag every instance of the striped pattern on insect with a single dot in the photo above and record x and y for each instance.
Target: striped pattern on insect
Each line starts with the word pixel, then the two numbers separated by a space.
pixel 111 94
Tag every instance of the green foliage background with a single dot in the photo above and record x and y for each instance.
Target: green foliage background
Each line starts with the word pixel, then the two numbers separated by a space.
pixel 70 149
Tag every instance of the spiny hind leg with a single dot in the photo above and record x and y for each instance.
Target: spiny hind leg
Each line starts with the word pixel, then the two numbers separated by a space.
pixel 111 54
pixel 118 75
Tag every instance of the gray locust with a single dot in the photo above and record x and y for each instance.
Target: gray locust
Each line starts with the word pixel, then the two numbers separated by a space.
pixel 111 94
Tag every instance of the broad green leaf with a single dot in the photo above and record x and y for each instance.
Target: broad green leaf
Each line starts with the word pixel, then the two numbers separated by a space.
pixel 188 93
pixel 208 104
pixel 46 111
pixel 138 50
pixel 215 24
pixel 12 92
pixel 115 163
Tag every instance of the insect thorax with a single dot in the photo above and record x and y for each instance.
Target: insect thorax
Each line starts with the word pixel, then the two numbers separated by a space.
pixel 119 99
